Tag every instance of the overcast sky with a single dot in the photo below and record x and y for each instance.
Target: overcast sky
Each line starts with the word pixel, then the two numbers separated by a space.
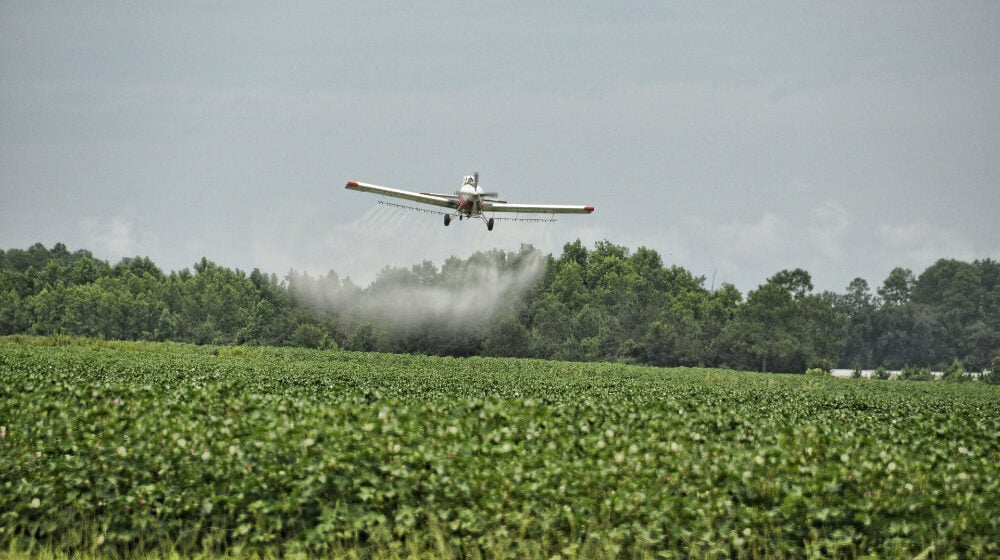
pixel 845 138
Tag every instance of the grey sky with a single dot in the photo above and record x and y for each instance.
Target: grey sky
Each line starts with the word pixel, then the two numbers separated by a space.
pixel 844 138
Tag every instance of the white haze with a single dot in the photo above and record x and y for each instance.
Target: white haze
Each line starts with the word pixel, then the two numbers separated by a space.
pixel 736 139
pixel 463 294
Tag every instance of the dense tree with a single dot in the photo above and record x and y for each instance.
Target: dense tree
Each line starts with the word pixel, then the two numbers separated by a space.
pixel 897 287
pixel 604 303
pixel 783 327
pixel 508 336
pixel 859 306
pixel 960 300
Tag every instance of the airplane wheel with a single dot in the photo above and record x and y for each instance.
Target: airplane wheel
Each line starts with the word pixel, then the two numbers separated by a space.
pixel 489 224
pixel 447 219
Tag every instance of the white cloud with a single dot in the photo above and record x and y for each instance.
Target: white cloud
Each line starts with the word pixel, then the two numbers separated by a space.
pixel 828 226
pixel 741 252
pixel 922 244
pixel 112 237
pixel 116 238
pixel 768 235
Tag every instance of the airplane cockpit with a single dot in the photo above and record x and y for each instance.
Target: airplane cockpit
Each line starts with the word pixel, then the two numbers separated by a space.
pixel 469 180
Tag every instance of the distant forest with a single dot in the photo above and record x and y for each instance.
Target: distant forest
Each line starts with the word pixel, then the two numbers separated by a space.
pixel 601 304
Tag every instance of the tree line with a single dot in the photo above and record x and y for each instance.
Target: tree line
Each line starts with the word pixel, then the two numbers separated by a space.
pixel 605 303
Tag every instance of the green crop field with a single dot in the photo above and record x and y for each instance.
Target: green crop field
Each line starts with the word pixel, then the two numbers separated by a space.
pixel 119 449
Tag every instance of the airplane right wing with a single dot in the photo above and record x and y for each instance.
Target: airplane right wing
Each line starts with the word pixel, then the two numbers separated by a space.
pixel 536 208
pixel 445 201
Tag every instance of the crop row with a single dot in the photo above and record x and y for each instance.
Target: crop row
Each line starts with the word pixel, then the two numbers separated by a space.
pixel 172 446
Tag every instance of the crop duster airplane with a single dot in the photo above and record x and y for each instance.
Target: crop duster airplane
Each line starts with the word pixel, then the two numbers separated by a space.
pixel 470 201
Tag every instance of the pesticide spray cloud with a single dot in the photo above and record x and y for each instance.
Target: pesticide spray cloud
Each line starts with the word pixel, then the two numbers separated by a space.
pixel 469 279
pixel 463 295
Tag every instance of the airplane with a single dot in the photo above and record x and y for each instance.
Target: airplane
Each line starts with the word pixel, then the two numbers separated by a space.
pixel 470 201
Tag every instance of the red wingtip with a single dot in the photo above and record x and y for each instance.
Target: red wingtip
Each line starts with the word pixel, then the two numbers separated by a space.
pixel 352 183
pixel 588 208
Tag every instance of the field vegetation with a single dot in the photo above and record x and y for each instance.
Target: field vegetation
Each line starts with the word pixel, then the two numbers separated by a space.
pixel 129 448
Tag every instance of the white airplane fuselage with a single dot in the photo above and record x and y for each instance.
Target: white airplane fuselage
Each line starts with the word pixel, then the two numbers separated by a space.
pixel 470 200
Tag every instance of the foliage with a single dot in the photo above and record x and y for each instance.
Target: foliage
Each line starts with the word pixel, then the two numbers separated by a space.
pixel 993 375
pixel 783 327
pixel 602 304
pixel 955 372
pixel 308 336
pixel 913 373
pixel 123 448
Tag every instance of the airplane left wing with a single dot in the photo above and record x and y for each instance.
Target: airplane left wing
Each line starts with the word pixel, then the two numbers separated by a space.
pixel 536 208
pixel 426 198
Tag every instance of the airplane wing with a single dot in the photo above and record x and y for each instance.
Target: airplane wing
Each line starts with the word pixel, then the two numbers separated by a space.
pixel 536 208
pixel 446 201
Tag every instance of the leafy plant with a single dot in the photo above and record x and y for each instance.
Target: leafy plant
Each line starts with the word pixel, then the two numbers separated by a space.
pixel 126 449
pixel 993 375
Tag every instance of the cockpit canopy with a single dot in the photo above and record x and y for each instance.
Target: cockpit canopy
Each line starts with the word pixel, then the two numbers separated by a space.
pixel 469 180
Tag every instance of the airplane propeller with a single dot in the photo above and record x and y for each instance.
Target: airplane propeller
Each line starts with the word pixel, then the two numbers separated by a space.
pixel 487 195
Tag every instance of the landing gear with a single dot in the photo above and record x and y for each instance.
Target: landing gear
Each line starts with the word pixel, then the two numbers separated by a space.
pixel 489 221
